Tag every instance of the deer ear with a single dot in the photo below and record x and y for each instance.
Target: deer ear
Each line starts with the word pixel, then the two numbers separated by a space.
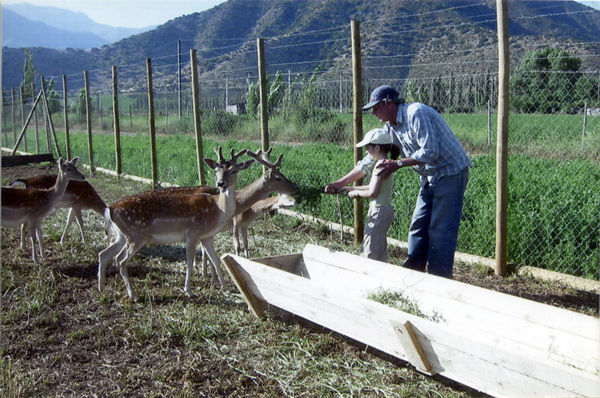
pixel 75 160
pixel 211 163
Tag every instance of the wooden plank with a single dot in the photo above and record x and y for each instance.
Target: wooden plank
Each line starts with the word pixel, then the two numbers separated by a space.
pixel 286 262
pixel 412 347
pixel 565 336
pixel 256 304
pixel 488 363
pixel 19 160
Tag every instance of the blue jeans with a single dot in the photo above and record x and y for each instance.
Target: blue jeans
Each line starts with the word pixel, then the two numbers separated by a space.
pixel 434 227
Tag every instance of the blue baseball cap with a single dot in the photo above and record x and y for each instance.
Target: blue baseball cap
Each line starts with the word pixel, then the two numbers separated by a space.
pixel 379 94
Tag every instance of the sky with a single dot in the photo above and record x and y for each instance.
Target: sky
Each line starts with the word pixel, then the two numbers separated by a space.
pixel 136 13
pixel 128 13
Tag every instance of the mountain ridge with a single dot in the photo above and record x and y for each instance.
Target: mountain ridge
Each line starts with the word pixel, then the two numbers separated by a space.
pixel 424 29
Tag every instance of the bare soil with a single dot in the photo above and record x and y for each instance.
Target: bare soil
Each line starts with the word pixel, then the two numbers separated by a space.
pixel 61 337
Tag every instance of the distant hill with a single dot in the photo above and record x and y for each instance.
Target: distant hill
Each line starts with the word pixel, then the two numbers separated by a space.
pixel 428 32
pixel 93 34
pixel 18 31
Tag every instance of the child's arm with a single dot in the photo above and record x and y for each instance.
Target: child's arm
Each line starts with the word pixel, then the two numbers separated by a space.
pixel 367 191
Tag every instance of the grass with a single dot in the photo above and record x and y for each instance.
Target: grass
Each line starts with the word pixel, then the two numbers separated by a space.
pixel 61 337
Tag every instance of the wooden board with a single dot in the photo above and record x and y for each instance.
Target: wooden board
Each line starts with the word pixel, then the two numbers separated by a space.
pixel 564 336
pixel 19 160
pixel 476 357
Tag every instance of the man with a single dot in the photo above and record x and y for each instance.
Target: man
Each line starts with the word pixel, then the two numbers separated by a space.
pixel 430 147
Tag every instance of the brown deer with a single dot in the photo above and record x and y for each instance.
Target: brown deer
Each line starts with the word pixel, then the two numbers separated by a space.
pixel 79 195
pixel 30 206
pixel 242 221
pixel 158 217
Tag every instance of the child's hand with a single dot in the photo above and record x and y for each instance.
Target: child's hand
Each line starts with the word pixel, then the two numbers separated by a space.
pixel 353 194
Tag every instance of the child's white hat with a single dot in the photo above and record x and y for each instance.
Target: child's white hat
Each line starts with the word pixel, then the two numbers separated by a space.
pixel 375 137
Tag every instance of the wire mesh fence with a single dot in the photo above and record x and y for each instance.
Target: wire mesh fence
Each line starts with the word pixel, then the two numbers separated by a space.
pixel 554 133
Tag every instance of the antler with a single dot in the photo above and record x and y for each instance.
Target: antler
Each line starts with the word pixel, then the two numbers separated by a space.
pixel 265 158
pixel 234 156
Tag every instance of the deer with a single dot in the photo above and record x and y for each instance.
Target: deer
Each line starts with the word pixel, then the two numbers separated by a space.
pixel 165 216
pixel 30 206
pixel 272 180
pixel 79 195
pixel 242 221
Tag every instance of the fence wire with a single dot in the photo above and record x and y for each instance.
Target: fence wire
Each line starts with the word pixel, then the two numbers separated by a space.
pixel 554 133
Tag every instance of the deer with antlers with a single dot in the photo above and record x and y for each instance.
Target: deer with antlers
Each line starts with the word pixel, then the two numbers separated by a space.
pixel 79 195
pixel 30 206
pixel 158 217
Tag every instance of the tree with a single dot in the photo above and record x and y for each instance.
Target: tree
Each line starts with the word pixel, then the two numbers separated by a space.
pixel 29 77
pixel 53 96
pixel 545 81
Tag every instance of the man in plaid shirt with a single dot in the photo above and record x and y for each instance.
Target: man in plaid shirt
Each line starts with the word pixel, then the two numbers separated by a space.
pixel 430 147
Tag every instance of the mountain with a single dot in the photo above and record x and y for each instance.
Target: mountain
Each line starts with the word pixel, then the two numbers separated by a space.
pixel 316 34
pixel 18 31
pixel 43 18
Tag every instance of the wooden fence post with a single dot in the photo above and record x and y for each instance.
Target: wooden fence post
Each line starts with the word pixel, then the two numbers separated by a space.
pixel 502 144
pixel 49 120
pixel 116 123
pixel 88 113
pixel 12 113
pixel 66 116
pixel 151 124
pixel 22 112
pixel 359 223
pixel 262 79
pixel 197 118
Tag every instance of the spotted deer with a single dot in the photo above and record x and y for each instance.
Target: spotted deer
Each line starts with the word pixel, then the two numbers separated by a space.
pixel 30 206
pixel 158 217
pixel 79 196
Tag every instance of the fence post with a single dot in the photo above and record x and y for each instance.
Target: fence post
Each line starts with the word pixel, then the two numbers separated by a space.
pixel 262 79
pixel 22 107
pixel 66 116
pixel 197 119
pixel 49 118
pixel 179 75
pixel 12 114
pixel 502 144
pixel 88 113
pixel 116 123
pixel 151 124
pixel 359 224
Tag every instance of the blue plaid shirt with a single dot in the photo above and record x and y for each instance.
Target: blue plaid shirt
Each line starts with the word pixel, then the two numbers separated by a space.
pixel 423 134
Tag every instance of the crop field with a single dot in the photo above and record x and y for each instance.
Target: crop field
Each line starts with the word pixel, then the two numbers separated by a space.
pixel 63 338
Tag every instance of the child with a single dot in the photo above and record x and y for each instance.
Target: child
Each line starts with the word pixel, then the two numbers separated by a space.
pixel 378 144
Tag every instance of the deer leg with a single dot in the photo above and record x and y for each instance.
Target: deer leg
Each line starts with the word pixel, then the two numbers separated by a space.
pixel 23 233
pixel 73 214
pixel 204 263
pixel 190 252
pixel 128 285
pixel 115 248
pixel 214 259
pixel 125 255
pixel 245 238
pixel 236 238
pixel 35 231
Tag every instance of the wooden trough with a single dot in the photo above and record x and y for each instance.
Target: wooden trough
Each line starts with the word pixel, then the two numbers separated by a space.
pixel 498 344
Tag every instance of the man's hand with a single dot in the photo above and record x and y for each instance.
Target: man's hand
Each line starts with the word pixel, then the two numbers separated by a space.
pixel 386 168
pixel 334 187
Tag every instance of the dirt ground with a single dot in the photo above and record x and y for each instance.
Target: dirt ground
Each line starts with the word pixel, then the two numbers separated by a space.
pixel 61 337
